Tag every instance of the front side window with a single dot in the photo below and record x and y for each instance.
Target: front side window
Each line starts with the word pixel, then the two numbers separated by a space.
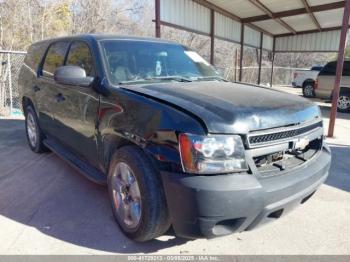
pixel 130 61
pixel 54 58
pixel 80 55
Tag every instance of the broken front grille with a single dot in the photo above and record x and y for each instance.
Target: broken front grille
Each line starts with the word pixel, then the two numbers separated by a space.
pixel 277 162
pixel 280 134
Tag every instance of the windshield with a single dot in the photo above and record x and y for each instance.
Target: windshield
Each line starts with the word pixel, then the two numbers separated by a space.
pixel 142 61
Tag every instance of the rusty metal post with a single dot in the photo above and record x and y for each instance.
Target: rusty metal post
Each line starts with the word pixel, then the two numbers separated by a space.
pixel 157 17
pixel 9 69
pixel 340 63
pixel 260 57
pixel 212 36
pixel 236 57
pixel 272 60
pixel 241 54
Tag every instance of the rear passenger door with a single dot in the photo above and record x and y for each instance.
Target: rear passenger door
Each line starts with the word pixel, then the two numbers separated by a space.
pixel 76 113
pixel 46 87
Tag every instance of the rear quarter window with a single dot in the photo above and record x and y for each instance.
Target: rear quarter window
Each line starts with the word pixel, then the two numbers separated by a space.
pixel 34 55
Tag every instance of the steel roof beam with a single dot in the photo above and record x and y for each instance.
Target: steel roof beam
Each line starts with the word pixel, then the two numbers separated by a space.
pixel 299 11
pixel 263 8
pixel 311 14
pixel 311 31
pixel 230 15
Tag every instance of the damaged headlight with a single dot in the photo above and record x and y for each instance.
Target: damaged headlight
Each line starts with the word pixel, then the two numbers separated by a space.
pixel 212 154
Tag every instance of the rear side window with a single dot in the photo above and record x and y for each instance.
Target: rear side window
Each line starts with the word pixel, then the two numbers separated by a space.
pixel 80 55
pixel 54 58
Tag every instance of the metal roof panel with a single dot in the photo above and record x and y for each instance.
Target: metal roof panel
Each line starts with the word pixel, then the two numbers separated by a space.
pixel 330 18
pixel 241 8
pixel 271 26
pixel 282 5
pixel 320 2
pixel 300 22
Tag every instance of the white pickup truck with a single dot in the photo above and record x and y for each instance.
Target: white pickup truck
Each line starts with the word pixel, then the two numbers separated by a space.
pixel 306 79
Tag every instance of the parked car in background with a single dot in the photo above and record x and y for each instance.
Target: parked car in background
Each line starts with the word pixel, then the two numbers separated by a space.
pixel 175 143
pixel 306 79
pixel 324 85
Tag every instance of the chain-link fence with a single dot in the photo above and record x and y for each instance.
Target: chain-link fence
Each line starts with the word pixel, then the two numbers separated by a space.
pixel 10 64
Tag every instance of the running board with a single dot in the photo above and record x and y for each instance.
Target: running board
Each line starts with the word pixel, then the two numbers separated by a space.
pixel 83 167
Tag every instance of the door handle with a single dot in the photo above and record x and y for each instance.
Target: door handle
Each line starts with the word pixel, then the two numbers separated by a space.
pixel 36 88
pixel 59 98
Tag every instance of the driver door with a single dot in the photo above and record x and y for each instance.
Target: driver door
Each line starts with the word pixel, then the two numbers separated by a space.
pixel 77 111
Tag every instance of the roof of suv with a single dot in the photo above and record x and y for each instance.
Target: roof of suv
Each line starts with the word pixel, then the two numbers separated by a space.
pixel 98 37
pixel 346 59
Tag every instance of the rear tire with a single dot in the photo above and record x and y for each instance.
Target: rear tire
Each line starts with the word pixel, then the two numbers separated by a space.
pixel 308 90
pixel 34 133
pixel 343 104
pixel 140 209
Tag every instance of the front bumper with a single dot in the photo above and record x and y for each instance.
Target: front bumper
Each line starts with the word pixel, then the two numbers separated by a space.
pixel 210 206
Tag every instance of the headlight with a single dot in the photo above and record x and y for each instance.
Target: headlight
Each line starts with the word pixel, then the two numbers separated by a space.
pixel 212 154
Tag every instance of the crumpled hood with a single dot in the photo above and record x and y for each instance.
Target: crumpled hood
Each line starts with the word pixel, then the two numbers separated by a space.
pixel 227 107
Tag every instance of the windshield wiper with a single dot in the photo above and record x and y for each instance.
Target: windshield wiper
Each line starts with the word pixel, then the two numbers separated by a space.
pixel 132 81
pixel 175 78
pixel 159 78
pixel 208 78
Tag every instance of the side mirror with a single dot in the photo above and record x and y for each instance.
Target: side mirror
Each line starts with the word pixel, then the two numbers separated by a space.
pixel 72 75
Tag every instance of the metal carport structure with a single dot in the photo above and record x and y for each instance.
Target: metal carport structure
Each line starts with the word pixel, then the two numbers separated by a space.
pixel 272 25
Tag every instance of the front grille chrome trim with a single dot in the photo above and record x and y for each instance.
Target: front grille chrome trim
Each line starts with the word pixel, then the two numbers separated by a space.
pixel 289 133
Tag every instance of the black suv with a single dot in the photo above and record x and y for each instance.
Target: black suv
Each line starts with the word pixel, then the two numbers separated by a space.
pixel 175 143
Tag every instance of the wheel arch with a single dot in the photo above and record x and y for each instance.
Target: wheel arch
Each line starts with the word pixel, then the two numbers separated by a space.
pixel 159 151
pixel 27 101
pixel 307 81
pixel 111 143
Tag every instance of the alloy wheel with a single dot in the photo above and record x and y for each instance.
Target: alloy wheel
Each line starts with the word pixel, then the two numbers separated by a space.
pixel 31 130
pixel 308 90
pixel 344 102
pixel 126 195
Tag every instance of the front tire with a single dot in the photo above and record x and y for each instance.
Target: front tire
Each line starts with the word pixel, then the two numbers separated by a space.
pixel 34 133
pixel 137 196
